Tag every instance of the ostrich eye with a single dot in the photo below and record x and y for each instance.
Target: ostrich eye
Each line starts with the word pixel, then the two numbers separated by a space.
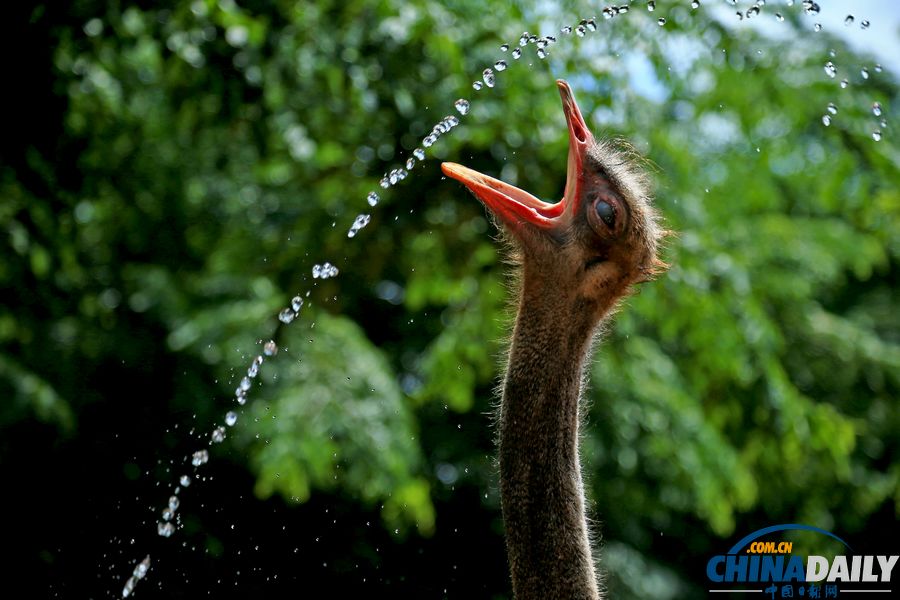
pixel 606 213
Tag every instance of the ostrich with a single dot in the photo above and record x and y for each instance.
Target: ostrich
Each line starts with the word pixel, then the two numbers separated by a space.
pixel 578 258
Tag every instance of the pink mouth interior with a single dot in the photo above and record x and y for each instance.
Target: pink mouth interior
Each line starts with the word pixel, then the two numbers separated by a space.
pixel 578 129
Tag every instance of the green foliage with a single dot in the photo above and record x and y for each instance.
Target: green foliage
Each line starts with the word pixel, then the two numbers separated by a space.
pixel 203 157
pixel 33 394
pixel 338 418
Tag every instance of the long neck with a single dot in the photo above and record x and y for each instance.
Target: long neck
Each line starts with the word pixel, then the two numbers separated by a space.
pixel 540 475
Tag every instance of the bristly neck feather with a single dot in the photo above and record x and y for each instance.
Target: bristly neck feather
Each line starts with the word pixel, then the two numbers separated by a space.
pixel 540 474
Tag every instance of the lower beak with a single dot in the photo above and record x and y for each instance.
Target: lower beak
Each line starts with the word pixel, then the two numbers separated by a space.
pixel 515 206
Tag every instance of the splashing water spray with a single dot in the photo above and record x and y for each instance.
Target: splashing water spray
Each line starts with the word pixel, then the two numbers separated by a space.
pixel 527 42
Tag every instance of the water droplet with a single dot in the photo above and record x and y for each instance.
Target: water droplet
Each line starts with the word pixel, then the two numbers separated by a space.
pixel 848 20
pixel 830 69
pixel 488 76
pixel 779 17
pixel 624 9
pixel 517 53
pixel 462 105
pixel 876 135
pixel 566 30
pixel 832 108
pixel 826 120
pixel 271 348
pixel 523 39
pixel 504 47
pixel 200 457
pixel 324 271
pixel 817 27
pixel 384 182
pixel 651 6
pixel 811 8
pixel 579 31
pixel 591 25
pixel 609 13
pixel 500 65
pixel 140 570
pixel 241 396
pixel 358 223
pixel 185 481
pixel 878 68
pixel 541 53
pixel 165 529
pixel 410 162
pixel 695 4
pixel 661 21
pixel 372 198
pixel 245 383
pixel 419 153
pixel 167 514
pixel 864 24
pixel 429 140
pixel 752 11
pixel 230 418
pixel 286 315
pixel 864 72
pixel 174 502
pixel 129 587
pixel 477 85
pixel 876 109
pixel 844 83
pixel 218 435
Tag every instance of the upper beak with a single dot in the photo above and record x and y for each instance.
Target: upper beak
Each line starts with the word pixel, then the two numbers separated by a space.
pixel 515 206
pixel 580 139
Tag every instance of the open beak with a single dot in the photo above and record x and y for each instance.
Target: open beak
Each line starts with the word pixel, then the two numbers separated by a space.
pixel 515 206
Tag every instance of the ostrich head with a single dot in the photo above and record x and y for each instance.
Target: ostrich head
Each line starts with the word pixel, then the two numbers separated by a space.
pixel 597 241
